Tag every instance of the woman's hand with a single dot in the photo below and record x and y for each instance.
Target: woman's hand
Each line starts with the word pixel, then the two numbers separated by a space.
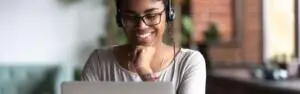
pixel 142 59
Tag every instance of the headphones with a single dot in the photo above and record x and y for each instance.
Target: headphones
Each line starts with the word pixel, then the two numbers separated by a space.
pixel 170 13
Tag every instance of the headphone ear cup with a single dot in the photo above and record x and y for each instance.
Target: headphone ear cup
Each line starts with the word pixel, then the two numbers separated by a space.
pixel 119 20
pixel 171 15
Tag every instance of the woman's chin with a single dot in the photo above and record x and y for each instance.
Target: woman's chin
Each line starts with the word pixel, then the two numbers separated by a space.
pixel 148 43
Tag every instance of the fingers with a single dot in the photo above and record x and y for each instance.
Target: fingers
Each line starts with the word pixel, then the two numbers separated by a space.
pixel 143 55
pixel 136 56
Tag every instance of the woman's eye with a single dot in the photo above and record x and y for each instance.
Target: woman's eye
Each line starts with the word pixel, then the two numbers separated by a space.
pixel 151 17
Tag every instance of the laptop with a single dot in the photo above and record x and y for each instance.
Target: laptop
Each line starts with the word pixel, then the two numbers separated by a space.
pixel 118 88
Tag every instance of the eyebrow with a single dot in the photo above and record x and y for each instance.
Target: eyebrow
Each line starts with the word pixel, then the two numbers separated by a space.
pixel 150 10
pixel 146 11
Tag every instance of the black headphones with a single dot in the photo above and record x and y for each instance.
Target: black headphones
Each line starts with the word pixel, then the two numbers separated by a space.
pixel 170 13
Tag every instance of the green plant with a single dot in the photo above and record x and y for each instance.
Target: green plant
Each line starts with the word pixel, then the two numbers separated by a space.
pixel 77 74
pixel 187 27
pixel 69 2
pixel 113 35
pixel 212 34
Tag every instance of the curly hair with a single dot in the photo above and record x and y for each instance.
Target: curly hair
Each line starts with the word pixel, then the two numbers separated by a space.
pixel 119 2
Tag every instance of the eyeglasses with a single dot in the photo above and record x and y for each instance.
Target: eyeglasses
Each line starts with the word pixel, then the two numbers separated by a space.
pixel 148 19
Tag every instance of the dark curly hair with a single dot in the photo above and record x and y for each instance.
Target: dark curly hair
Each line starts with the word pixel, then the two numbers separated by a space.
pixel 119 2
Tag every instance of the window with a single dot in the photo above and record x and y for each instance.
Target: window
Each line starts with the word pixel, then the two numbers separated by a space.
pixel 280 28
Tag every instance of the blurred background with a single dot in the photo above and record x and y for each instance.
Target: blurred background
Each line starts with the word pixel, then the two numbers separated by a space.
pixel 252 45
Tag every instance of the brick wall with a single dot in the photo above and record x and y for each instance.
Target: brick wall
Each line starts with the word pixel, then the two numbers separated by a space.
pixel 248 48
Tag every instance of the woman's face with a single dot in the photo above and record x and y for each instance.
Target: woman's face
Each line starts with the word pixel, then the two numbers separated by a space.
pixel 143 21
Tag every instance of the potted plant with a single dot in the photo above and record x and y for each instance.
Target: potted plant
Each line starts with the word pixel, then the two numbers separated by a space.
pixel 212 34
pixel 211 38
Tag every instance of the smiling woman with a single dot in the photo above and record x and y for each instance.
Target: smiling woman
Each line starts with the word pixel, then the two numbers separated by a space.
pixel 146 57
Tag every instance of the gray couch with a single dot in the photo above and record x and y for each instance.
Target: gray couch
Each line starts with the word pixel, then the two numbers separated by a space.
pixel 32 79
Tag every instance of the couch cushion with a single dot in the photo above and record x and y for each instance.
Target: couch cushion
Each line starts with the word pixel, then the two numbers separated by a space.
pixel 27 79
pixel 7 88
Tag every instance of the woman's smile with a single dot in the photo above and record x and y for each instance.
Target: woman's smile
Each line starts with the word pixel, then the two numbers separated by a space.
pixel 145 37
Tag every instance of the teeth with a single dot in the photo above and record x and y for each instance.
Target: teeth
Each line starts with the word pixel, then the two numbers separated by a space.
pixel 144 35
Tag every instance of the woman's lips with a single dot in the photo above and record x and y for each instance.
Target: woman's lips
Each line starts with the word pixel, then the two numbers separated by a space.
pixel 145 37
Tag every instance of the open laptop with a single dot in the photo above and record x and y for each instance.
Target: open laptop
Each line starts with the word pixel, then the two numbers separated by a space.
pixel 118 88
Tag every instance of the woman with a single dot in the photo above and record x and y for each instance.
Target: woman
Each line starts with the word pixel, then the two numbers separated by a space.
pixel 145 57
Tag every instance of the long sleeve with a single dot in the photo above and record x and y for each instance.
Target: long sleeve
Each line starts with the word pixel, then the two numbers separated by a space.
pixel 194 78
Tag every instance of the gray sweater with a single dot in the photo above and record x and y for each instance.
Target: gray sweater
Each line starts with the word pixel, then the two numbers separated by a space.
pixel 187 70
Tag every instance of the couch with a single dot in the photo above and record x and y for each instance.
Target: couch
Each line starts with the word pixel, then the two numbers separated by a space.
pixel 35 79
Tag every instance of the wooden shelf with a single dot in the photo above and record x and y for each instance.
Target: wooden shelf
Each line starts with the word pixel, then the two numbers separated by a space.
pixel 239 81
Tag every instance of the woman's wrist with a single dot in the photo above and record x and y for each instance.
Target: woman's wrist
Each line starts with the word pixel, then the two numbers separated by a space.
pixel 149 77
pixel 146 74
pixel 143 70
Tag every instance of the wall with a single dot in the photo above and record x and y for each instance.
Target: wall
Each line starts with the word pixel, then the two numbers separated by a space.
pixel 248 48
pixel 49 31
